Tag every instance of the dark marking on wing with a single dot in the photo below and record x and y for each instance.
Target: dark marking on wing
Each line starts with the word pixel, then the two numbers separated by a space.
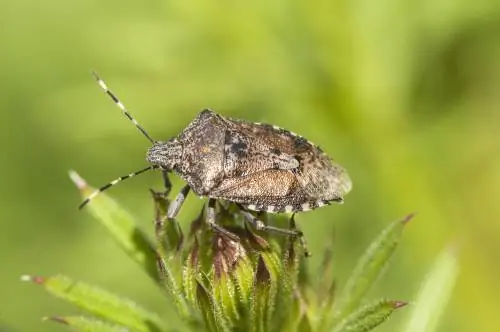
pixel 240 148
pixel 276 151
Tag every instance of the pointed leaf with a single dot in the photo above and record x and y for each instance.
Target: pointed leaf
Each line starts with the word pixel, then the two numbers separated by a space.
pixel 100 302
pixel 224 294
pixel 434 294
pixel 212 313
pixel 190 274
pixel 368 317
pixel 172 288
pixel 205 306
pixel 242 279
pixel 304 324
pixel 278 290
pixel 85 324
pixel 326 286
pixel 369 267
pixel 260 297
pixel 284 305
pixel 121 226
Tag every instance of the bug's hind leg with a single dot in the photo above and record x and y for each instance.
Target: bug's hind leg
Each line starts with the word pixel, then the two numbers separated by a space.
pixel 176 204
pixel 260 226
pixel 211 221
pixel 302 238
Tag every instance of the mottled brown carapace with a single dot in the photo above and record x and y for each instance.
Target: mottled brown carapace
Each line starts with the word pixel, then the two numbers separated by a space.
pixel 261 167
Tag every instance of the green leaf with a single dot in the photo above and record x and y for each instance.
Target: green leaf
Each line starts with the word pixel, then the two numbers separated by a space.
pixel 168 232
pixel 278 281
pixel 243 280
pixel 100 302
pixel 326 286
pixel 190 273
pixel 227 255
pixel 368 317
pixel 171 286
pixel 369 268
pixel 285 303
pixel 260 296
pixel 304 324
pixel 212 313
pixel 434 294
pixel 224 294
pixel 85 324
pixel 121 225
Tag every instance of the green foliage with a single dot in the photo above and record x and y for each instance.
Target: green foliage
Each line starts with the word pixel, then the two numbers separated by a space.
pixel 122 227
pixel 250 284
pixel 100 303
pixel 434 294
pixel 368 317
pixel 369 268
pixel 85 324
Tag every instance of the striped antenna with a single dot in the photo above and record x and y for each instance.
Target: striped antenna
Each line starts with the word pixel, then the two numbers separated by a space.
pixel 112 183
pixel 121 106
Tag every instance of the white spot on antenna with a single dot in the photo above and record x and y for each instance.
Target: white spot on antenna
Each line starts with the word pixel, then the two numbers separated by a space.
pixel 121 106
pixel 102 84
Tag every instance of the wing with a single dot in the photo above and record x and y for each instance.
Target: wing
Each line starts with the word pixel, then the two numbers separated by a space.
pixel 269 190
pixel 254 147
pixel 323 179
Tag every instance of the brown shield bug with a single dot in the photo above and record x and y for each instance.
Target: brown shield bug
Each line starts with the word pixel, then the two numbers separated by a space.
pixel 259 167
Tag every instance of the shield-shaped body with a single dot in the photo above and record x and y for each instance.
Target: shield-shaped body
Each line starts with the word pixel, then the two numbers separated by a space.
pixel 259 166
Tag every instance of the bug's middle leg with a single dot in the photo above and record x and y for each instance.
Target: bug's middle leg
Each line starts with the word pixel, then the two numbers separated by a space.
pixel 293 231
pixel 176 204
pixel 166 182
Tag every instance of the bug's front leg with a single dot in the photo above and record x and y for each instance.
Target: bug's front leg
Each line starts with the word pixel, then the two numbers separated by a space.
pixel 166 182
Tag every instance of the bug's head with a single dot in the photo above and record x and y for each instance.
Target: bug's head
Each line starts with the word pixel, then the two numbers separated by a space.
pixel 166 155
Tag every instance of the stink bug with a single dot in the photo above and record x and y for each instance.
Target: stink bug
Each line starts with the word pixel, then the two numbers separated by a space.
pixel 259 167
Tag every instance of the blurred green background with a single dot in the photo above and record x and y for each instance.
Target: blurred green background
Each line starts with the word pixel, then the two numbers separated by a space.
pixel 404 94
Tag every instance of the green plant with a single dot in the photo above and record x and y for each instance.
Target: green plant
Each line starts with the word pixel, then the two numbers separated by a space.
pixel 258 283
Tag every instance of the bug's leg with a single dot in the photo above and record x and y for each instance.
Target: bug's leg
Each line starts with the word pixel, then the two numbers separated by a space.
pixel 302 238
pixel 169 235
pixel 260 226
pixel 210 219
pixel 166 182
pixel 176 204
